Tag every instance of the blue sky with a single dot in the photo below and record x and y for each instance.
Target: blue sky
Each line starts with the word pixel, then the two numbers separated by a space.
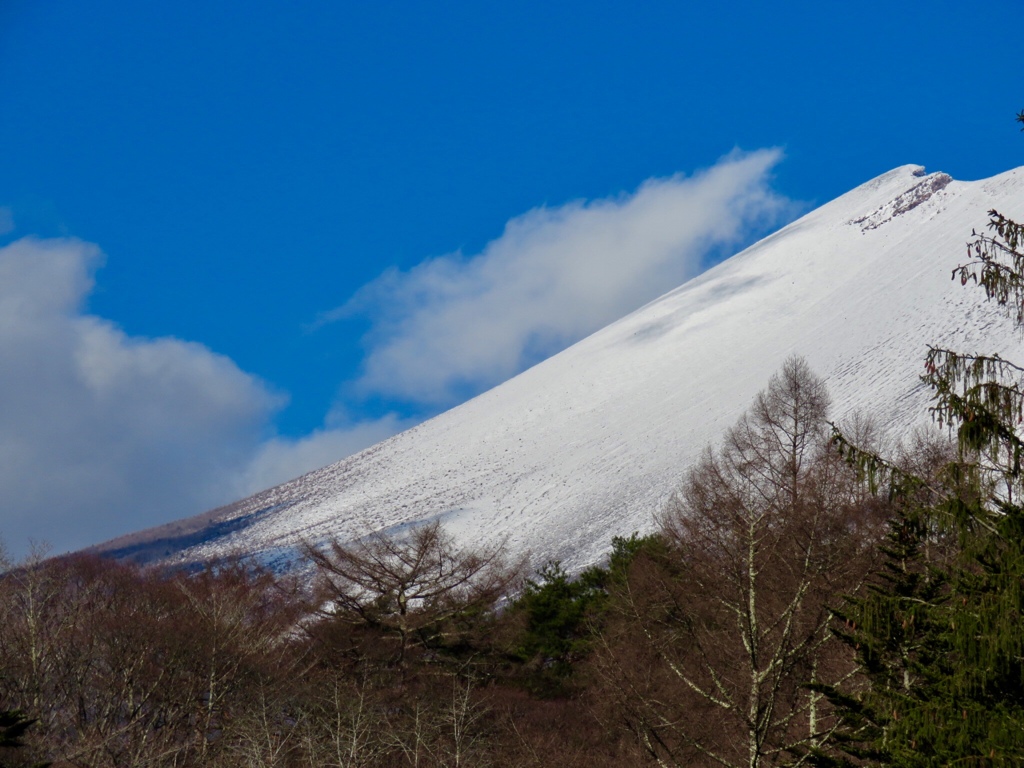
pixel 241 240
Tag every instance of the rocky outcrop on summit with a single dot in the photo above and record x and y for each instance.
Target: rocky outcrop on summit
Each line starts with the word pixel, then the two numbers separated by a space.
pixel 907 201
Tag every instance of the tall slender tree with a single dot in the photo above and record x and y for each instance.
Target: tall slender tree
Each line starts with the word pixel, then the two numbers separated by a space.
pixel 719 632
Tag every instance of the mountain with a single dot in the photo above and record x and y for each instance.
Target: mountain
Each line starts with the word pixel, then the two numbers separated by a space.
pixel 590 443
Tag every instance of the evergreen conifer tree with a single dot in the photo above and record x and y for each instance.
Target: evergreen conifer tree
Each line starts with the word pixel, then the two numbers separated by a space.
pixel 13 725
pixel 940 636
pixel 561 613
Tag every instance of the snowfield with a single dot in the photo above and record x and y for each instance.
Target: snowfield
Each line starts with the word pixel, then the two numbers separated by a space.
pixel 591 442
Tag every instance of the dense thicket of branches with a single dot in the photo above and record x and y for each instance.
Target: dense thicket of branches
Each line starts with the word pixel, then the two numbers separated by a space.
pixel 395 655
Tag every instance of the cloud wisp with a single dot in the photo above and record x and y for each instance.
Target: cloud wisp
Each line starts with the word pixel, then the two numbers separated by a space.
pixel 458 324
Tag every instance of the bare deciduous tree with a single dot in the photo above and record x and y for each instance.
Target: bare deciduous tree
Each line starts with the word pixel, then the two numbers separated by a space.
pixel 409 589
pixel 344 724
pixel 732 620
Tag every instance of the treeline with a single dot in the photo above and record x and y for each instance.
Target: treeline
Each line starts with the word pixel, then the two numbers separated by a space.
pixel 708 642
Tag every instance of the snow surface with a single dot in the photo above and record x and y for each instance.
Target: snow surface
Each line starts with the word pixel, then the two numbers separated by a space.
pixel 590 443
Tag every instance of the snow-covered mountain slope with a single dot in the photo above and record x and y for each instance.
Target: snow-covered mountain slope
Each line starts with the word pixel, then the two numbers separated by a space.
pixel 589 443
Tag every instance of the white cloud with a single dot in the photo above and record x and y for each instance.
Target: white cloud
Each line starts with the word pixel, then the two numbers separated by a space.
pixel 454 324
pixel 102 433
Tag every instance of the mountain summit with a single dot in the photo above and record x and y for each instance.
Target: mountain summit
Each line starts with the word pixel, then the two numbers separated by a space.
pixel 591 442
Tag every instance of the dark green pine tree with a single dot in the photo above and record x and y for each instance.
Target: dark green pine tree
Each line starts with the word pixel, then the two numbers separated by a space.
pixel 13 725
pixel 556 608
pixel 561 613
pixel 899 646
pixel 940 635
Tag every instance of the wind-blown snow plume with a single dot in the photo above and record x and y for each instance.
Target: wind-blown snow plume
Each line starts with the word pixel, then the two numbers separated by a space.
pixel 454 325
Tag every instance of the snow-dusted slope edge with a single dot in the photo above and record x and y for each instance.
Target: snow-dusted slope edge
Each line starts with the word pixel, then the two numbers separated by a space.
pixel 589 443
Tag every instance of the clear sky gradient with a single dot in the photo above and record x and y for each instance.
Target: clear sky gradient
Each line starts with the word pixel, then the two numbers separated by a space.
pixel 263 235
